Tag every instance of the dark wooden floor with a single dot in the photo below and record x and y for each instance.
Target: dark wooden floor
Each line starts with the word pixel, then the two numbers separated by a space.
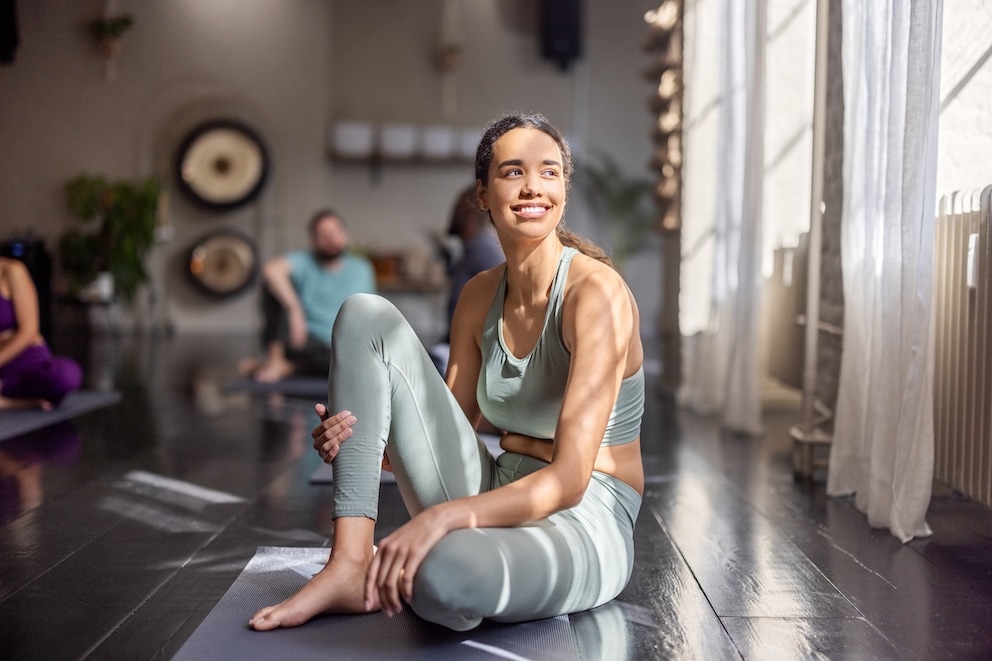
pixel 735 559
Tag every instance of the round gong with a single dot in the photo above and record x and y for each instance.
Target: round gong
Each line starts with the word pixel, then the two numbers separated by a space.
pixel 222 165
pixel 223 264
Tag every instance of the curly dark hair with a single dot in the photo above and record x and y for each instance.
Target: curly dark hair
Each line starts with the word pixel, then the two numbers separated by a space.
pixel 498 127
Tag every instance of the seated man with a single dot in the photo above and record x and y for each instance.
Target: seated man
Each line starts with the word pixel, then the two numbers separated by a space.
pixel 301 295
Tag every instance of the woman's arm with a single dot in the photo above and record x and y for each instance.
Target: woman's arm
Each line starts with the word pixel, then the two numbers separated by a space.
pixel 24 296
pixel 465 354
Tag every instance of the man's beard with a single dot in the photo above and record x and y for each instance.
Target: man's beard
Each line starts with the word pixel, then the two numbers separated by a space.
pixel 327 256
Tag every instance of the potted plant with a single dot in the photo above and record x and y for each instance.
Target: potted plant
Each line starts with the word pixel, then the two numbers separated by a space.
pixel 624 203
pixel 121 230
pixel 107 31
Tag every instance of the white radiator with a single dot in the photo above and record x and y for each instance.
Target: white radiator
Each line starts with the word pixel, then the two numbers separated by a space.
pixel 963 362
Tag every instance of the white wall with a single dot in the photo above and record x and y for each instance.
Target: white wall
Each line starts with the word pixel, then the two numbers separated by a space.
pixel 290 68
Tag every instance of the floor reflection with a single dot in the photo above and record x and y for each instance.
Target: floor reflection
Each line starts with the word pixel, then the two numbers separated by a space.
pixel 23 460
pixel 601 633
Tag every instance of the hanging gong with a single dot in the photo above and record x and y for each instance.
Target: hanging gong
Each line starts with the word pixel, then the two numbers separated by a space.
pixel 222 165
pixel 223 263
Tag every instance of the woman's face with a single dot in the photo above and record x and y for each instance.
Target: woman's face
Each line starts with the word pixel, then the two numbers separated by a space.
pixel 526 189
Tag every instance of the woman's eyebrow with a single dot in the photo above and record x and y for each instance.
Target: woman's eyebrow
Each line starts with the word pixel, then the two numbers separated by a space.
pixel 517 161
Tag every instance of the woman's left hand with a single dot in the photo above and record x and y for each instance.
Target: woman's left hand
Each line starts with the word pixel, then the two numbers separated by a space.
pixel 395 565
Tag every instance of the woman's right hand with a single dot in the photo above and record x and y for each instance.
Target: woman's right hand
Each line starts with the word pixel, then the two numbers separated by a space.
pixel 528 445
pixel 331 432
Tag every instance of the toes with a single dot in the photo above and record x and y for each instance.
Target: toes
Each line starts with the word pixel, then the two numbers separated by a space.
pixel 260 621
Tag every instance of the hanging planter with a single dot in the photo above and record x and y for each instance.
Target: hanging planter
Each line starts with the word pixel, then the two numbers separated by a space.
pixel 107 32
pixel 110 47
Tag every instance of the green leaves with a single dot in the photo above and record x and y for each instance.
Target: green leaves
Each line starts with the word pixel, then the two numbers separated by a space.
pixel 624 203
pixel 112 27
pixel 126 231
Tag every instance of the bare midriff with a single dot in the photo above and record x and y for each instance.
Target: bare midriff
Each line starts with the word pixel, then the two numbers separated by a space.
pixel 621 461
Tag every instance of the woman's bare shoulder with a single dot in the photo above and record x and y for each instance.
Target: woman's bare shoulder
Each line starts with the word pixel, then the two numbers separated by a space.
pixel 482 286
pixel 475 298
pixel 596 294
pixel 591 277
pixel 12 268
pixel 14 277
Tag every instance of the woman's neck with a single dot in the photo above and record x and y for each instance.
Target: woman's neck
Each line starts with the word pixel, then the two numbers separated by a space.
pixel 530 271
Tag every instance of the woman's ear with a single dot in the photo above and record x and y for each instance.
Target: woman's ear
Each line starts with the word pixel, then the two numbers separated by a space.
pixel 480 195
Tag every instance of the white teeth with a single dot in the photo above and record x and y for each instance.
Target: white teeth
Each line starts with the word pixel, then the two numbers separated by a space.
pixel 531 209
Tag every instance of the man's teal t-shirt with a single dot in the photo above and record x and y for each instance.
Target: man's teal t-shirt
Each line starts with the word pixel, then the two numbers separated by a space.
pixel 322 291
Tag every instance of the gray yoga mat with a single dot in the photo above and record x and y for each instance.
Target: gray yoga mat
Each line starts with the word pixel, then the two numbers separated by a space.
pixel 21 421
pixel 274 573
pixel 313 387
pixel 324 474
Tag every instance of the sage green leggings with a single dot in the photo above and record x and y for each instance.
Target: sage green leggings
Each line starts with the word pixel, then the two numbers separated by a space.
pixel 571 561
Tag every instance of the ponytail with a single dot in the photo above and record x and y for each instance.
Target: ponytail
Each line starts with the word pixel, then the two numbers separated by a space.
pixel 584 246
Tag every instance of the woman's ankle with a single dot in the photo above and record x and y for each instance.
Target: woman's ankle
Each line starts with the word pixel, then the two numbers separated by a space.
pixel 353 537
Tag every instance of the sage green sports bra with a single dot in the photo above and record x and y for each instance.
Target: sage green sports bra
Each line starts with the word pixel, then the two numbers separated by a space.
pixel 523 395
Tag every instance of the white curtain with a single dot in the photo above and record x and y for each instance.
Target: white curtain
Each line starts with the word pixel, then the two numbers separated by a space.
pixel 722 363
pixel 883 432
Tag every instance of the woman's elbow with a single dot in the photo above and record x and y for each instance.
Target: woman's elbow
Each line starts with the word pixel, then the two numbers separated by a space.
pixel 570 500
pixel 571 494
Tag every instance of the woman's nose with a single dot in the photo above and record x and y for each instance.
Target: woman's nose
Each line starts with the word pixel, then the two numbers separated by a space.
pixel 532 186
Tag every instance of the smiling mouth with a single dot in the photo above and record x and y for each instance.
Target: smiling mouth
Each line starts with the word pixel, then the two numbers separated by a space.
pixel 530 210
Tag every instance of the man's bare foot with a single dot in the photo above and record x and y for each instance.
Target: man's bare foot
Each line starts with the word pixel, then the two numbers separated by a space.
pixel 18 403
pixel 248 366
pixel 337 588
pixel 274 370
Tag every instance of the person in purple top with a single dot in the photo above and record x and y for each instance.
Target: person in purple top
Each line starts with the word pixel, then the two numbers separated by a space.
pixel 30 376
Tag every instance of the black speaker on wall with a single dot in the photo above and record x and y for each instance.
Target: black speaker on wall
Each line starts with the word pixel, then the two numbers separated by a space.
pixel 561 31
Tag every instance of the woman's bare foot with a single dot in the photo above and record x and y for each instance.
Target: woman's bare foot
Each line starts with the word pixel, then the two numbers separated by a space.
pixel 337 588
pixel 18 403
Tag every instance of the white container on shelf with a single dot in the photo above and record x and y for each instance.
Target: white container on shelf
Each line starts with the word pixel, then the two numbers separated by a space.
pixel 353 139
pixel 399 141
pixel 439 143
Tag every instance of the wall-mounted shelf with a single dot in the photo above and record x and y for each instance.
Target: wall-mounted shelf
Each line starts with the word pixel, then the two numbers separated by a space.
pixel 363 142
